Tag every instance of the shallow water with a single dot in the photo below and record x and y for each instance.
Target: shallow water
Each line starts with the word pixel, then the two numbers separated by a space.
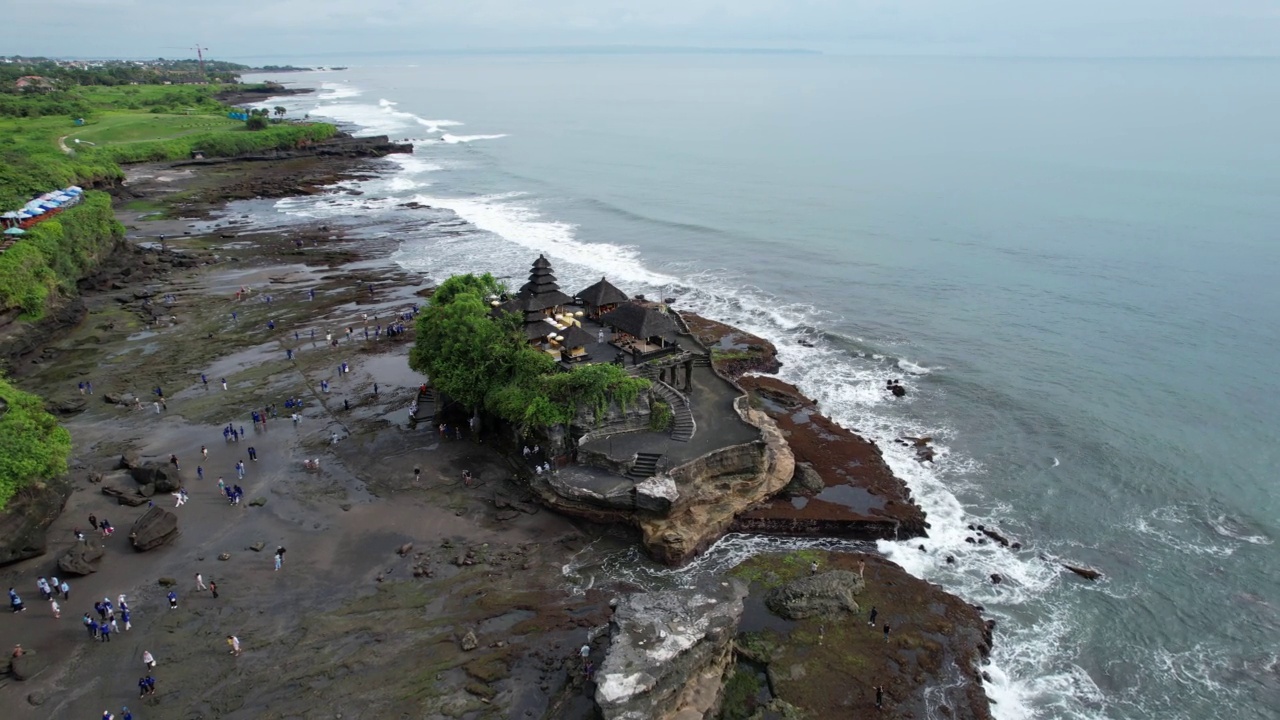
pixel 1072 265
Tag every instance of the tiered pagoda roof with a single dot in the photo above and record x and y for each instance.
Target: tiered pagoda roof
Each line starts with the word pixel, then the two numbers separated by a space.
pixel 535 296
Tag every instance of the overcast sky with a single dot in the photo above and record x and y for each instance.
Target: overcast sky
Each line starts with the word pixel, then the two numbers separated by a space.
pixel 316 30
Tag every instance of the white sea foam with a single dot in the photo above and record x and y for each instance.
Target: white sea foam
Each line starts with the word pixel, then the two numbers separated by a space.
pixel 515 221
pixel 337 91
pixel 449 139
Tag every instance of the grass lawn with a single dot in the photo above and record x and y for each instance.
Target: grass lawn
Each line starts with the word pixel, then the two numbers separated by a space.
pixel 129 127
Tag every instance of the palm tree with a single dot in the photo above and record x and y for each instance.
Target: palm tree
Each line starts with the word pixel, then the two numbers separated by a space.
pixel 280 111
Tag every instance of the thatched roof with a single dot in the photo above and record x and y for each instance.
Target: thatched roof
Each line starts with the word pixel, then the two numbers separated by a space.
pixel 601 294
pixel 640 321
pixel 575 336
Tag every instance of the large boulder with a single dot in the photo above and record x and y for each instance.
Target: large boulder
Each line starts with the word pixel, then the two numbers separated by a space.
pixel 130 497
pixel 24 522
pixel 164 478
pixel 155 528
pixel 668 653
pixel 80 559
pixel 129 460
pixel 822 594
pixel 805 481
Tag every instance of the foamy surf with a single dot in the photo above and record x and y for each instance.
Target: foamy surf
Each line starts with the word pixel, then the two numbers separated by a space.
pixel 1032 672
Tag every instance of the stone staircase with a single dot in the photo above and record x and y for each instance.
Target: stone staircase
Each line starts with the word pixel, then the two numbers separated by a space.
pixel 426 405
pixel 682 426
pixel 645 466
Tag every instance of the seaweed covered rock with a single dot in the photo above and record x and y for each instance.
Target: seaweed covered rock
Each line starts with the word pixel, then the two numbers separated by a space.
pixel 669 652
pixel 822 594
pixel 155 528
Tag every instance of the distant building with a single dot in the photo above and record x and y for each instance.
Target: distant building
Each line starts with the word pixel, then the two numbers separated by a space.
pixel 33 83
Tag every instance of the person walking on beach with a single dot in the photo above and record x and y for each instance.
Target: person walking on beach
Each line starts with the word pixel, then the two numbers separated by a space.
pixel 204 380
pixel 111 620
pixel 279 556
pixel 213 589
pixel 15 602
pixel 234 642
pixel 66 590
pixel 105 630
pixel 224 383
pixel 240 469
pixel 125 714
pixel 173 600
pixel 57 609
pixel 886 632
pixel 417 474
pixel 125 616
pixel 200 582
pixel 200 472
pixel 204 453
pixel 148 660
pixel 871 619
pixel 253 454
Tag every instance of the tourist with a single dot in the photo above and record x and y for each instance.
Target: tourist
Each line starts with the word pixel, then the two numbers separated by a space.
pixel 204 380
pixel 813 568
pixel 66 590
pixel 55 607
pixel 213 589
pixel 125 714
pixel 224 383
pixel 43 586
pixel 527 451
pixel 92 627
pixel 157 406
pixel 886 632
pixel 584 652
pixel 93 521
pixel 80 536
pixel 105 526
pixel 81 387
pixel 200 582
pixel 142 686
pixel 375 389
pixel 200 472
pixel 105 630
pixel 466 478
pixel 240 469
pixel 288 353
pixel 173 600
pixel 111 620
pixel 333 438
pixel 181 496
pixel 234 642
pixel 417 474
pixel 151 685
pixel 879 697
pixel 125 616
pixel 120 601
pixel 346 405
pixel 871 620
pixel 222 485
pixel 253 454
pixel 88 385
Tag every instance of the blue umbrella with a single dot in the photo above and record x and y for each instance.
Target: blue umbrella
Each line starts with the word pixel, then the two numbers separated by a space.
pixel 15 231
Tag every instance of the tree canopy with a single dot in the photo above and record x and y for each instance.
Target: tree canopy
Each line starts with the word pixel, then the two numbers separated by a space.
pixel 484 362
pixel 33 446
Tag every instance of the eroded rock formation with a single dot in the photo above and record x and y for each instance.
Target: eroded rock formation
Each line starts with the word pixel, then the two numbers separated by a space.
pixel 155 528
pixel 669 652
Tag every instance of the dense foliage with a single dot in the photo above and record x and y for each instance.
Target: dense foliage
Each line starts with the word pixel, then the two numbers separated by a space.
pixel 118 72
pixel 33 446
pixel 53 255
pixel 485 363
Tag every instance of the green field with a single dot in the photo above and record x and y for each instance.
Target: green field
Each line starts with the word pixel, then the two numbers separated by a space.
pixel 131 127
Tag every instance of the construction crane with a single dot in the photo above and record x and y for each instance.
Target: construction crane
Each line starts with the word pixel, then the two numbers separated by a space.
pixel 199 54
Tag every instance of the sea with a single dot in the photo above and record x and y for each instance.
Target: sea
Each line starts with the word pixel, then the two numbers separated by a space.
pixel 1072 265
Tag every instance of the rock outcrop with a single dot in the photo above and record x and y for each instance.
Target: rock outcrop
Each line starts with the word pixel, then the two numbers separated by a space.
pixel 80 559
pixel 153 529
pixel 24 522
pixel 715 488
pixel 669 652
pixel 164 478
pixel 826 593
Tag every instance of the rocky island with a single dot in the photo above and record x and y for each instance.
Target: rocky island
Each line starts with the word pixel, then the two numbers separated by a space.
pixel 407 589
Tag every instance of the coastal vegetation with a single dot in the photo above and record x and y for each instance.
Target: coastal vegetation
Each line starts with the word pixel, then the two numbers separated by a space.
pixel 484 362
pixel 54 254
pixel 32 444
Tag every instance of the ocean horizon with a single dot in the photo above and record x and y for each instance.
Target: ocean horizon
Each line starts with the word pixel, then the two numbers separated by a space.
pixel 1073 266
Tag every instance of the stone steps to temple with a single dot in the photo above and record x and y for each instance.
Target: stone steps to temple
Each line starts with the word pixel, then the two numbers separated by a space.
pixel 646 465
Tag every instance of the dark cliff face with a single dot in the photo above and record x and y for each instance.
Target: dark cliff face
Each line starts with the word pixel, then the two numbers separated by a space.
pixel 24 522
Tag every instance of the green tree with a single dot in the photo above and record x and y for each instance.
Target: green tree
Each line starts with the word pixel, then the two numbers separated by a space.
pixel 460 347
pixel 280 111
pixel 256 122
pixel 33 447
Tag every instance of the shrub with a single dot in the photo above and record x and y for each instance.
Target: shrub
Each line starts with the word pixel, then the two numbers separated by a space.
pixel 33 446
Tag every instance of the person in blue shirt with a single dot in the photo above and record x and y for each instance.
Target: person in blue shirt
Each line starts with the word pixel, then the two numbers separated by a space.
pixel 173 600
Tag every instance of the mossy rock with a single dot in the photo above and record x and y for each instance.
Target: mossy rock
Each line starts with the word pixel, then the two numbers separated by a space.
pixel 481 690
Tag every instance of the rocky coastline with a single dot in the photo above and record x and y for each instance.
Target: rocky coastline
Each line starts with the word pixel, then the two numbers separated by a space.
pixel 430 599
